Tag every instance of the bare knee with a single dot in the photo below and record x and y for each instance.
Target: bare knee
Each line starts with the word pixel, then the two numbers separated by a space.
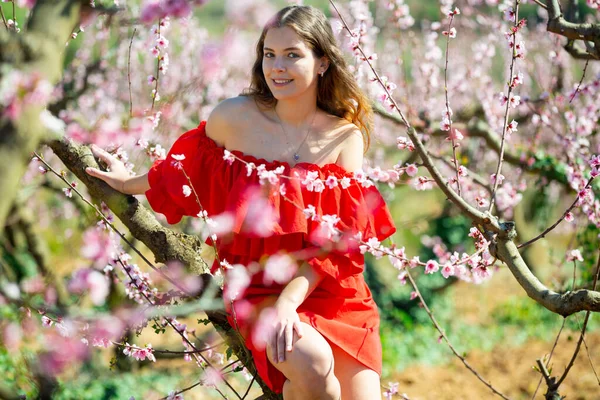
pixel 309 367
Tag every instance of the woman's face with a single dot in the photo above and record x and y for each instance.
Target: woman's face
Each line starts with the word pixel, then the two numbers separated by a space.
pixel 289 65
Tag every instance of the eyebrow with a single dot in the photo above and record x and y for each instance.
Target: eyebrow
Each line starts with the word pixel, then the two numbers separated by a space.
pixel 289 48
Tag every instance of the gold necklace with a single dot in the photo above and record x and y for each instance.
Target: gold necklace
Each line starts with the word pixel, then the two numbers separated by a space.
pixel 296 155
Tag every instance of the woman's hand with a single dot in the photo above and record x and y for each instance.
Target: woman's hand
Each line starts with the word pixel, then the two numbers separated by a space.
pixel 285 324
pixel 117 173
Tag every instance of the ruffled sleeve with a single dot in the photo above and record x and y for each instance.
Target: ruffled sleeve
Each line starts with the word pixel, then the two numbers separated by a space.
pixel 193 175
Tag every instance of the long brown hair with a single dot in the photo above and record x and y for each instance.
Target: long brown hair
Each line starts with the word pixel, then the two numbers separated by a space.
pixel 337 93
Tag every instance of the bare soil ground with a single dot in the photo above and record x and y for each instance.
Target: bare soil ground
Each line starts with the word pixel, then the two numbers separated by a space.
pixel 510 370
pixel 508 367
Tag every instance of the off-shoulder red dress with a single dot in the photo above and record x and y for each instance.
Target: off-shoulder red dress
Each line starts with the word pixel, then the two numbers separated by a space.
pixel 341 308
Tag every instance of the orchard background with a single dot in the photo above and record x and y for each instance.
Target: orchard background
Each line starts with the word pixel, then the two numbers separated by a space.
pixel 486 290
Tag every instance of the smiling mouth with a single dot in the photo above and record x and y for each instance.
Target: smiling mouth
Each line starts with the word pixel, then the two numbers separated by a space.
pixel 280 82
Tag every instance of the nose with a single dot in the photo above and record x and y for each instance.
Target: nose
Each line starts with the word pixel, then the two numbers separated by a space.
pixel 278 64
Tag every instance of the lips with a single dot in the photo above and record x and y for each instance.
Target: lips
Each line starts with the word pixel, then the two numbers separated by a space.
pixel 281 82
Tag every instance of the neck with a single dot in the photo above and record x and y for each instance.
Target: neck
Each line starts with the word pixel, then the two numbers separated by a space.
pixel 296 113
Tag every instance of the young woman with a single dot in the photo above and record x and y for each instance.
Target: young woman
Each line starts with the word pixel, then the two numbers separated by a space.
pixel 303 113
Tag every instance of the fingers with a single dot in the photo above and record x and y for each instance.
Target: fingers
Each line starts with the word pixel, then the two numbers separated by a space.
pixel 298 328
pixel 289 336
pixel 281 342
pixel 103 155
pixel 96 173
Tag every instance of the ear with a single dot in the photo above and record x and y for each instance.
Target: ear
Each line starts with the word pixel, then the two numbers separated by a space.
pixel 324 64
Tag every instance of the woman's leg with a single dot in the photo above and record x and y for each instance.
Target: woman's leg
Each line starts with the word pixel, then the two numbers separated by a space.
pixel 358 382
pixel 309 368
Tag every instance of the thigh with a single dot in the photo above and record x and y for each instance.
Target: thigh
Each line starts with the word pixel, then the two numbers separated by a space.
pixel 311 357
pixel 358 382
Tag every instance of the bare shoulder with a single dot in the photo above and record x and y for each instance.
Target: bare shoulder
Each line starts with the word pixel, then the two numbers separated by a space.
pixel 220 125
pixel 352 148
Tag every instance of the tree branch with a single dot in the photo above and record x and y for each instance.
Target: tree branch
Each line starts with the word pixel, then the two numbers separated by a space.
pixel 573 31
pixel 39 50
pixel 563 304
pixel 165 244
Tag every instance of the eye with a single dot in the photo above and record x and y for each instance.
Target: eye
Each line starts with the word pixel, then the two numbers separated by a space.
pixel 294 54
pixel 268 54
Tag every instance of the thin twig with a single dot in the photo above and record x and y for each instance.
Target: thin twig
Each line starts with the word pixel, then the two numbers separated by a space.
pixel 580 81
pixel 550 356
pixel 4 19
pixel 539 3
pixel 468 210
pixel 129 73
pixel 185 389
pixel 585 322
pixel 249 386
pixel 543 234
pixel 454 145
pixel 443 334
pixel 505 125
pixel 184 337
pixel 157 73
pixel 587 350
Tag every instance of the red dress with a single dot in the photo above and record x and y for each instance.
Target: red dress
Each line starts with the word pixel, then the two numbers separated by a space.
pixel 341 308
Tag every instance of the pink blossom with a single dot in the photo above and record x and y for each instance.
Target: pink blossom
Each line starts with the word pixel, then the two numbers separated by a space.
pixel 173 395
pixel 61 352
pixel 517 80
pixel 512 127
pixel 451 34
pixel 360 176
pixel 574 255
pixel 260 216
pixel 47 322
pixel 91 281
pixel 263 328
pixel 431 266
pixel 456 135
pixel 569 217
pixel 331 181
pixel 413 295
pixel 405 143
pixel 411 170
pixel 178 160
pixel 309 180
pixel 423 183
pixel 447 270
pixel 509 14
pixel 310 212
pixel 391 391
pixel 279 268
pixel 187 191
pixel 328 230
pixel 493 179
pixel 139 353
pixel 345 182
pixel 228 156
pixel 372 246
pixel 152 11
pixel 237 280
pixel 211 377
pixel 445 124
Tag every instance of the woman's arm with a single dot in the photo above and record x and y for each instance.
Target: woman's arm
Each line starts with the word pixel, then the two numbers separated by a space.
pixel 294 294
pixel 300 287
pixel 136 185
pixel 118 176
